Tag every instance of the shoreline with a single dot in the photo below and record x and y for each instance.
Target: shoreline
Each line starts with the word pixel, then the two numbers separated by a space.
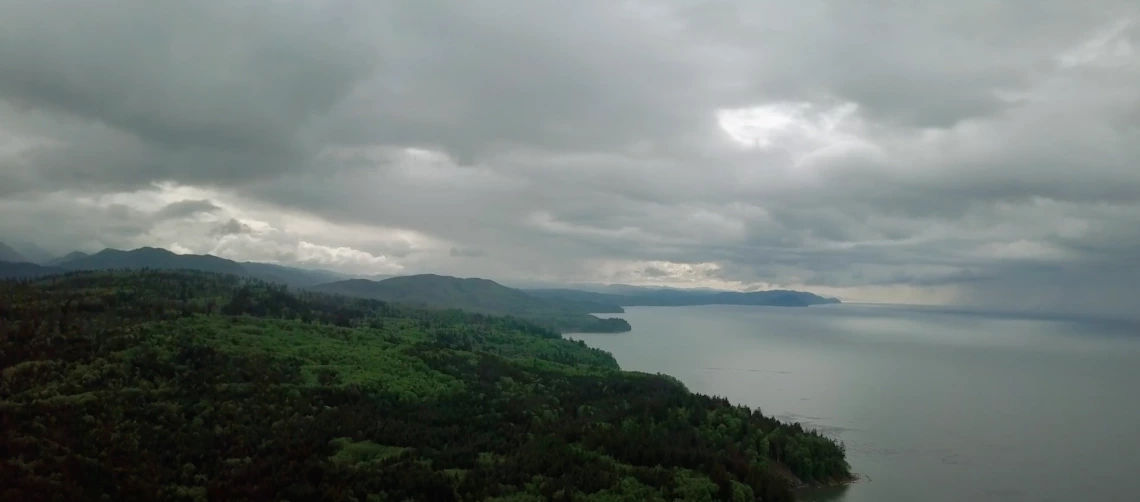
pixel 806 488
pixel 797 484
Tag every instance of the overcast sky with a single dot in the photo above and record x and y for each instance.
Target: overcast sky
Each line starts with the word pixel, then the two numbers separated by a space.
pixel 973 152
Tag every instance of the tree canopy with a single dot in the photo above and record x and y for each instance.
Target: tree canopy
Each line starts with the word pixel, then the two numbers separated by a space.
pixel 181 385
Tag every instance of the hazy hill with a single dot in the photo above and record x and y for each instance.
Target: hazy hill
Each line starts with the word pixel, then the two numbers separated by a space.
pixel 561 309
pixel 74 255
pixel 635 297
pixel 484 296
pixel 162 259
pixel 24 270
pixel 292 276
pixel 32 251
pixel 154 258
pixel 10 255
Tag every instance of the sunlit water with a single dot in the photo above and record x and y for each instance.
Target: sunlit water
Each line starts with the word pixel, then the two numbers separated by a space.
pixel 932 405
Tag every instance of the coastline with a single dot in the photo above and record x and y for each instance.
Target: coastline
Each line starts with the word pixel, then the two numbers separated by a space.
pixel 830 491
pixel 800 485
pixel 794 482
pixel 855 478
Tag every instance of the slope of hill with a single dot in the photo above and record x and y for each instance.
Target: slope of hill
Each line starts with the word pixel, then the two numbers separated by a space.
pixel 31 251
pixel 161 385
pixel 25 270
pixel 162 259
pixel 10 255
pixel 74 255
pixel 482 295
pixel 298 277
pixel 679 297
pixel 154 258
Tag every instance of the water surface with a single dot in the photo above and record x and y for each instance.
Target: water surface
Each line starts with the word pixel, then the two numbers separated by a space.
pixel 932 405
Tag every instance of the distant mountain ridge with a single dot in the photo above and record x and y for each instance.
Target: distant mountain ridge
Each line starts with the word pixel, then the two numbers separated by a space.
pixel 633 296
pixel 155 258
pixel 163 259
pixel 10 255
pixel 435 291
pixel 74 255
pixel 484 296
pixel 564 310
pixel 31 252
pixel 299 277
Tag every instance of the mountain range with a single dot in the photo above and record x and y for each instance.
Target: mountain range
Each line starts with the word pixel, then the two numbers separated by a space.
pixel 433 291
pixel 564 310
pixel 161 259
pixel 10 255
pixel 483 296
pixel 633 296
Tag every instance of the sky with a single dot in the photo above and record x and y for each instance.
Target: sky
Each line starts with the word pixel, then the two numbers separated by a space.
pixel 970 152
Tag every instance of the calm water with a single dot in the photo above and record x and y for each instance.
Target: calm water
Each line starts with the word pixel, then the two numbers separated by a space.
pixel 933 406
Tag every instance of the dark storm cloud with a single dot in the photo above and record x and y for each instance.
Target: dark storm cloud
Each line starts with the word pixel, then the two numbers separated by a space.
pixel 214 91
pixel 975 147
pixel 199 91
pixel 535 74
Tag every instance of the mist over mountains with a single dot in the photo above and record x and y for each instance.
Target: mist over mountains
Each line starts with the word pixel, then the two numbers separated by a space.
pixel 560 309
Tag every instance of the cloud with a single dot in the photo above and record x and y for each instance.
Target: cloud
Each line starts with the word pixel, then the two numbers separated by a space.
pixel 231 227
pixel 467 252
pixel 208 92
pixel 976 152
pixel 185 208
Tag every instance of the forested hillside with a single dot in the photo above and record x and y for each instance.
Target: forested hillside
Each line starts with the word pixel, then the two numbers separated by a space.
pixel 484 296
pixel 424 290
pixel 164 259
pixel 154 258
pixel 160 385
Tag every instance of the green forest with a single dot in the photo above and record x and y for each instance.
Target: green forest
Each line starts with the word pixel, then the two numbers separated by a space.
pixel 486 297
pixel 423 290
pixel 183 385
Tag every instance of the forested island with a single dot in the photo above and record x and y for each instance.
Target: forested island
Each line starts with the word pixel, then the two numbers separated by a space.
pixel 187 385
